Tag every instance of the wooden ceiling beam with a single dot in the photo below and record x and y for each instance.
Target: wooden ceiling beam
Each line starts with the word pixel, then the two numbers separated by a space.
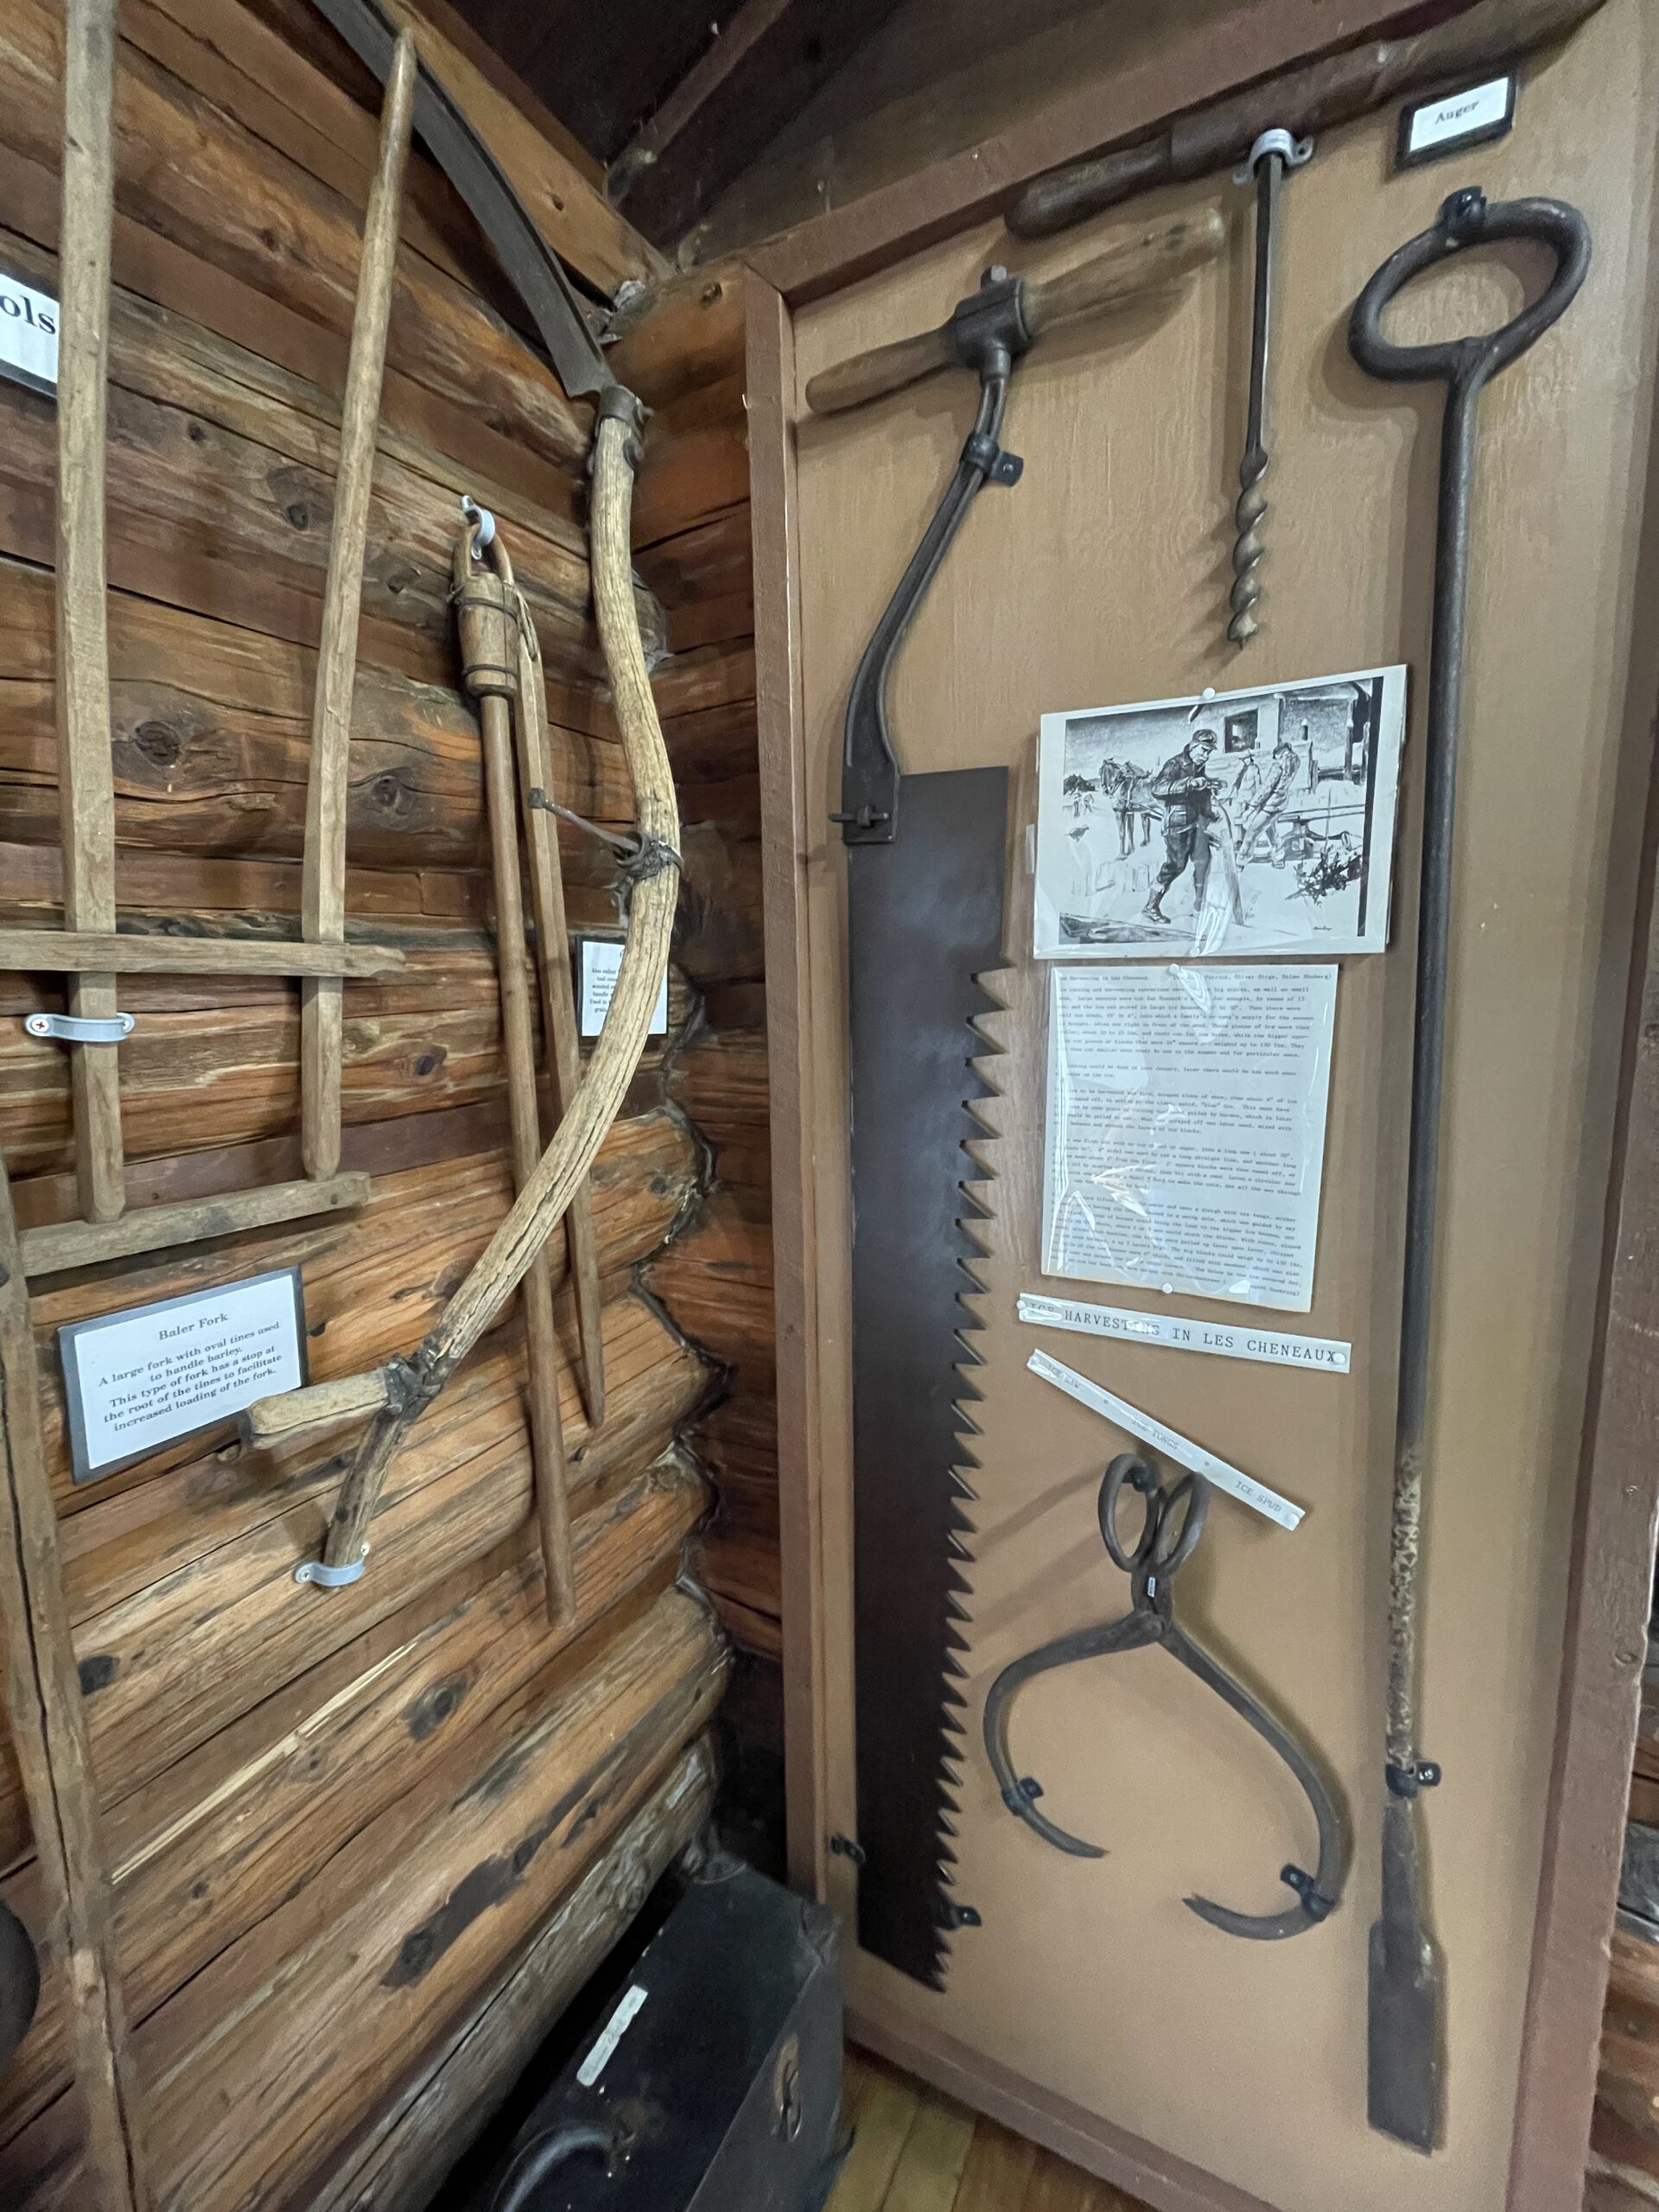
pixel 763 67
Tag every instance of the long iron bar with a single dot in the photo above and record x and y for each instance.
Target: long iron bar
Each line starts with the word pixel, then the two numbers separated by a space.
pixel 1407 1998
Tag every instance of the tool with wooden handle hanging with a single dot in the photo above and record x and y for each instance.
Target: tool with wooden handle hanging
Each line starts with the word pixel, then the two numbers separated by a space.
pixel 488 621
pixel 396 1393
pixel 1406 1993
pixel 1464 39
pixel 1128 271
pixel 925 872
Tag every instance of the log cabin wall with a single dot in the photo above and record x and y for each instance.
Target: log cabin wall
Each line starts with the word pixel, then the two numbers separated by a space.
pixel 692 540
pixel 367 1843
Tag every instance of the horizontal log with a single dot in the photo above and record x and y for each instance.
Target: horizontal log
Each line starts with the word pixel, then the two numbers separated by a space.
pixel 706 407
pixel 719 1079
pixel 374 1284
pixel 684 335
pixel 221 498
pixel 724 618
pixel 709 563
pixel 153 1229
pixel 224 53
pixel 759 1633
pixel 740 1566
pixel 155 267
pixel 425 1904
pixel 548 168
pixel 442 2108
pixel 716 1280
pixel 166 1667
pixel 203 1855
pixel 710 676
pixel 196 775
pixel 715 753
pixel 737 1443
pixel 722 932
pixel 188 171
pixel 690 477
pixel 509 1841
pixel 316 74
pixel 209 1064
pixel 66 952
pixel 188 1078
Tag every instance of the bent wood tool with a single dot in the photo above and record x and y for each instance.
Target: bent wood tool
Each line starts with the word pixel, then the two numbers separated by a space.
pixel 925 865
pixel 397 1394
pixel 1174 1520
pixel 1405 2085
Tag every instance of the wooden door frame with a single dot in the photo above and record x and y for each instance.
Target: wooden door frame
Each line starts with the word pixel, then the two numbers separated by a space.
pixel 1616 1509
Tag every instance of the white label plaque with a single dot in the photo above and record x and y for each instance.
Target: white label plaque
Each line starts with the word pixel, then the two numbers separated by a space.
pixel 1326 1354
pixel 28 335
pixel 600 962
pixel 135 1380
pixel 1222 1472
pixel 1470 117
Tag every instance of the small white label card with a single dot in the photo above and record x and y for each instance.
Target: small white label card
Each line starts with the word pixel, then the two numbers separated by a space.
pixel 136 1380
pixel 1170 1441
pixel 28 335
pixel 599 963
pixel 609 2035
pixel 1325 1354
pixel 1451 121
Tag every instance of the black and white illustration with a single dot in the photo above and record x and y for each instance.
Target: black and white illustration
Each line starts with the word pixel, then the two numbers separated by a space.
pixel 1236 823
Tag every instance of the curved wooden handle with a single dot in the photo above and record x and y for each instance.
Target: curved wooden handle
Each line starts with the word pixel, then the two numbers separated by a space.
pixel 1071 195
pixel 883 369
pixel 1124 272
pixel 272 1421
pixel 546 1194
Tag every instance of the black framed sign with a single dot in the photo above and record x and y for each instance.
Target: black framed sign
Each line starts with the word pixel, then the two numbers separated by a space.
pixel 1450 122
pixel 135 1380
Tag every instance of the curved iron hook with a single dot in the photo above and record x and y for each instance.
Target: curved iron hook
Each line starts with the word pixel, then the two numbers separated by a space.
pixel 1174 1522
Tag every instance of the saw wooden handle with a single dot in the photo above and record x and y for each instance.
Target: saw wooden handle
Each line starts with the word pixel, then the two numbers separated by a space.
pixel 1126 272
pixel 1487 34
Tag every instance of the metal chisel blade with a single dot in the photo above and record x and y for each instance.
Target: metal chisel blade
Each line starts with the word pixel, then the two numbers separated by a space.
pixel 924 922
pixel 1405 1998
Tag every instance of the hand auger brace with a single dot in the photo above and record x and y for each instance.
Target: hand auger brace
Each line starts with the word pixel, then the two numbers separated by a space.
pixel 1174 1522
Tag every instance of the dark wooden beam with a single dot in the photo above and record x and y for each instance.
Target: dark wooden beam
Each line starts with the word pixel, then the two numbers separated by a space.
pixel 762 67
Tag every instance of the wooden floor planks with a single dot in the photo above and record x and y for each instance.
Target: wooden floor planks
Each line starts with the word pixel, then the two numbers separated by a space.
pixel 915 2150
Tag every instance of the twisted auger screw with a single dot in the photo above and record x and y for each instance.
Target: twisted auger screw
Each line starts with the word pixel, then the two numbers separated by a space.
pixel 1273 152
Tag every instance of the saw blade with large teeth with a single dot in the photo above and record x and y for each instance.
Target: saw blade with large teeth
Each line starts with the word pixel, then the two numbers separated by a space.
pixel 924 925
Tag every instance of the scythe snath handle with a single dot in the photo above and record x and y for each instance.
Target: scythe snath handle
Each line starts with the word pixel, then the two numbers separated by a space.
pixel 404 1388
pixel 1124 272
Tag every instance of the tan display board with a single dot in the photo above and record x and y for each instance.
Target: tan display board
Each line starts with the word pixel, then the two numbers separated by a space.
pixel 1102 578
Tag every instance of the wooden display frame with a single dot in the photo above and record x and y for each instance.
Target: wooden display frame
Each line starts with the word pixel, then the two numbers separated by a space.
pixel 88 952
pixel 1616 1509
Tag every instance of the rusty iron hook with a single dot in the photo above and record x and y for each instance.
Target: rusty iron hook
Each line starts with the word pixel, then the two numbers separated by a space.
pixel 1174 1522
